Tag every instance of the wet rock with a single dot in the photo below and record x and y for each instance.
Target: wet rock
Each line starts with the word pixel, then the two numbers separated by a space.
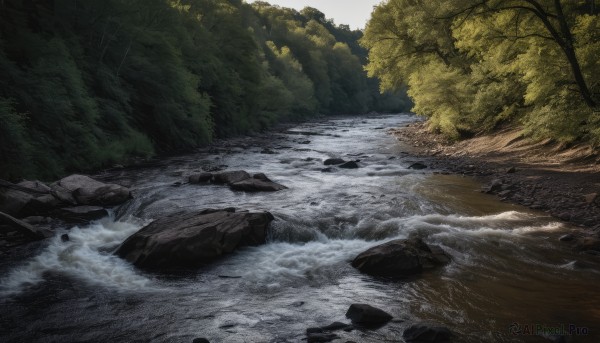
pixel 26 198
pixel 423 333
pixel 316 337
pixel 230 177
pixel 400 258
pixel 337 326
pixel 35 185
pixel 11 223
pixel 262 177
pixel 566 216
pixel 13 202
pixel 367 315
pixel 200 178
pixel 193 239
pixel 82 214
pixel 256 185
pixel 349 165
pixel 504 193
pixel 493 187
pixel 333 161
pixel 511 170
pixel 417 166
pixel 36 220
pixel 567 238
pixel 200 340
pixel 328 170
pixel 64 237
pixel 87 191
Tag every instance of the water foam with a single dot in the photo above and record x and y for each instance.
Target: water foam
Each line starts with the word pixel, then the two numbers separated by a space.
pixel 87 255
pixel 278 265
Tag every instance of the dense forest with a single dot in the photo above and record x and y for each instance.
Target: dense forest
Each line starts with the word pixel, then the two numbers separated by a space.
pixel 86 84
pixel 475 65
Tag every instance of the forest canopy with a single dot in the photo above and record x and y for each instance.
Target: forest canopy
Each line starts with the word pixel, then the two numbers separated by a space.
pixel 88 84
pixel 474 65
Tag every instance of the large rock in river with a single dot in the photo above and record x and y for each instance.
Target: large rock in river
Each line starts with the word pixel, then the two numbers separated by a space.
pixel 193 239
pixel 83 190
pixel 26 198
pixel 239 180
pixel 256 185
pixel 400 258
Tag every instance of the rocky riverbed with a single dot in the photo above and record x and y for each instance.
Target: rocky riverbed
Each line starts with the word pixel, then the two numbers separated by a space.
pixel 327 231
pixel 545 176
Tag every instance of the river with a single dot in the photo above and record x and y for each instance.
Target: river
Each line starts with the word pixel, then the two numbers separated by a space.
pixel 507 263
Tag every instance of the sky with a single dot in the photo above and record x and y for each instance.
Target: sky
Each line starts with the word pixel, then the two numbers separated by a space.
pixel 355 13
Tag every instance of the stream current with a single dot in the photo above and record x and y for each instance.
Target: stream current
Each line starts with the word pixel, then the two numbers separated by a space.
pixel 508 266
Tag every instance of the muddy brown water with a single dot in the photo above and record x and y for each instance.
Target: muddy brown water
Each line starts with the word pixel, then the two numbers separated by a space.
pixel 510 279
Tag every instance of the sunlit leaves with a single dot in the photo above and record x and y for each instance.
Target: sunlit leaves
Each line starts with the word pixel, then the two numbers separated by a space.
pixel 498 61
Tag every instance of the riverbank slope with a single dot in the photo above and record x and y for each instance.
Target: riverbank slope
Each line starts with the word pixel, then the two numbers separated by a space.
pixel 564 182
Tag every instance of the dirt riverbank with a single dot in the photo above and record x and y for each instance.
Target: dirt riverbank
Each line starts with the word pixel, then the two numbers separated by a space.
pixel 564 182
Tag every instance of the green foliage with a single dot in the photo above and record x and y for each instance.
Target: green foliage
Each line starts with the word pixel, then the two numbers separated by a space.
pixel 473 65
pixel 87 84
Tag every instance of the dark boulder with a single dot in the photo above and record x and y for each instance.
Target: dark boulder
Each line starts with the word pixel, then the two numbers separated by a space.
pixel 417 166
pixel 367 315
pixel 256 185
pixel 10 223
pixel 230 177
pixel 26 198
pixel 423 333
pixel 193 239
pixel 14 202
pixel 82 214
pixel 349 165
pixel 333 161
pixel 87 191
pixel 400 258
pixel 262 177
pixel 317 337
pixel 200 178
pixel 494 186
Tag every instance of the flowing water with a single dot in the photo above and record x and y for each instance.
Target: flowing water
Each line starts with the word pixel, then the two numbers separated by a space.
pixel 507 264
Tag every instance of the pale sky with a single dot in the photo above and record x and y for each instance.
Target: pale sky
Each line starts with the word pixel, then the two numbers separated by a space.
pixel 355 13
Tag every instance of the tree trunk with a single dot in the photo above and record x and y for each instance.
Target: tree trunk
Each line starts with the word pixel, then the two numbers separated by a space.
pixel 566 45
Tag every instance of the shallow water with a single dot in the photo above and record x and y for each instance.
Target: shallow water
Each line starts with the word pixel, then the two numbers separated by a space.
pixel 508 266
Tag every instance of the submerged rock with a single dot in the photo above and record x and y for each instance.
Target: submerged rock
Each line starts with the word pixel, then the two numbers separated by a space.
pixel 256 185
pixel 400 258
pixel 423 333
pixel 349 165
pixel 417 166
pixel 200 178
pixel 367 315
pixel 317 337
pixel 333 161
pixel 193 239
